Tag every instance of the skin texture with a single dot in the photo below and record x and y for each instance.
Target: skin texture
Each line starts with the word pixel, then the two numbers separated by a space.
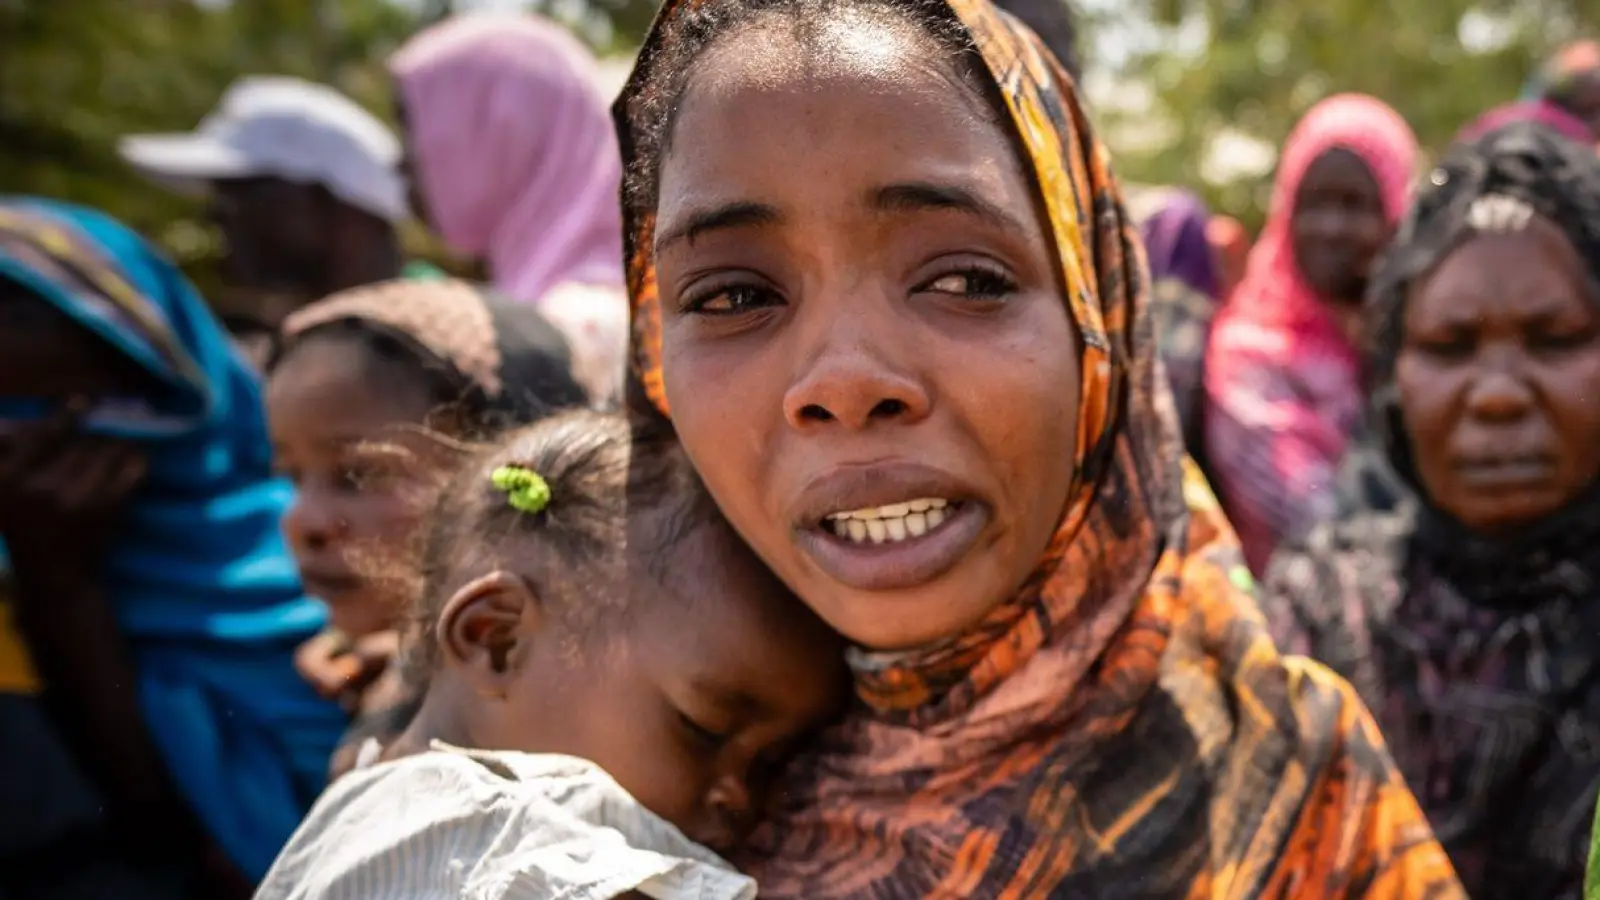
pixel 690 699
pixel 876 320
pixel 1338 230
pixel 1498 375
pixel 338 417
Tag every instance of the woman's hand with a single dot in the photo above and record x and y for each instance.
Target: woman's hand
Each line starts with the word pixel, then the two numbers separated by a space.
pixel 62 492
pixel 343 669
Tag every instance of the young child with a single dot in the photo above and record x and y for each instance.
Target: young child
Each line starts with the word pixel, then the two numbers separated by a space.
pixel 583 600
pixel 360 384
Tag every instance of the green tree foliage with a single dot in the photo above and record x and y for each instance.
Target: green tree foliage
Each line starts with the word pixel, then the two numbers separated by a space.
pixel 75 75
pixel 1251 68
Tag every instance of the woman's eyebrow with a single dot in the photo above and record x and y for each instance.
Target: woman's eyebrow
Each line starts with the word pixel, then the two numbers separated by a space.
pixel 739 214
pixel 920 196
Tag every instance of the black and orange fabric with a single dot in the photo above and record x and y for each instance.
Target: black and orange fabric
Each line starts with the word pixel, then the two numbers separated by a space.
pixel 1124 727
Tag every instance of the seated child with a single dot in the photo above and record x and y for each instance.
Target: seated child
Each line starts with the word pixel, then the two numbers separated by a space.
pixel 360 385
pixel 584 603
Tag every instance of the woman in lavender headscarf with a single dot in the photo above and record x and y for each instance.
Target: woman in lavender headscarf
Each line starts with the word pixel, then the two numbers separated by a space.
pixel 514 162
pixel 1185 287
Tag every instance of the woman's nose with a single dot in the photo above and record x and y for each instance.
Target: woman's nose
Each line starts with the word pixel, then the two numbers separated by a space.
pixel 1499 395
pixel 854 387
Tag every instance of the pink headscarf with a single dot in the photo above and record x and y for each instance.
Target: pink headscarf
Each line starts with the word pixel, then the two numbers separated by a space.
pixel 1283 383
pixel 514 150
pixel 1273 293
pixel 1542 111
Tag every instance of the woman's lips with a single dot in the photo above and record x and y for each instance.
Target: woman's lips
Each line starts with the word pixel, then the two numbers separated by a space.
pixel 1505 472
pixel 891 557
pixel 888 524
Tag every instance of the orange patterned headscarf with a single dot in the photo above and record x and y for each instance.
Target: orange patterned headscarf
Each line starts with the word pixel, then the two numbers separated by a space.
pixel 1124 726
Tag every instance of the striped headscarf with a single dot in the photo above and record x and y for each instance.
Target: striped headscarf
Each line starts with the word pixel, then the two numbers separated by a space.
pixel 1123 726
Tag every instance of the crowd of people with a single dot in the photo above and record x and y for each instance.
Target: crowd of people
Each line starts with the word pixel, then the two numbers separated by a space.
pixel 837 485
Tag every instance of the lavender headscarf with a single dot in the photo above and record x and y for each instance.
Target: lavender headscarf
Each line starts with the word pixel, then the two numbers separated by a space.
pixel 514 150
pixel 1175 241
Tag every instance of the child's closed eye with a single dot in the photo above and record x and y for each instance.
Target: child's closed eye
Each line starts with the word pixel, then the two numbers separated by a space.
pixel 703 735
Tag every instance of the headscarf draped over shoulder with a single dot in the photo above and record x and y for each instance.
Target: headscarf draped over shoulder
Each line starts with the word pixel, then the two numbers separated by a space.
pixel 1124 726
pixel 199 577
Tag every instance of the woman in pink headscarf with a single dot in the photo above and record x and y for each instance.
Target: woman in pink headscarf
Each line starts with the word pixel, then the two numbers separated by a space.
pixel 1283 378
pixel 514 161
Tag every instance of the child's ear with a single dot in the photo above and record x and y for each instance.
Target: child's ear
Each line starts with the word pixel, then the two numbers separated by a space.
pixel 485 626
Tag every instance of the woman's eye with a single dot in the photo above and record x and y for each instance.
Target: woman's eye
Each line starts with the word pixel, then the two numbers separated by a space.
pixel 730 300
pixel 1557 341
pixel 977 283
pixel 708 738
pixel 1453 347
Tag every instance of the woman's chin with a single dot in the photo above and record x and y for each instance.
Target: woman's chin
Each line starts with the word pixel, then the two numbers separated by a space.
pixel 906 620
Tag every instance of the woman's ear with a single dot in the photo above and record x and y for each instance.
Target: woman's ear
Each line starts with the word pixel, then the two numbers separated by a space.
pixel 485 628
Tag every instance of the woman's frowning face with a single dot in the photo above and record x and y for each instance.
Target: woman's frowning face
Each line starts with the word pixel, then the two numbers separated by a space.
pixel 1499 378
pixel 864 340
pixel 1338 226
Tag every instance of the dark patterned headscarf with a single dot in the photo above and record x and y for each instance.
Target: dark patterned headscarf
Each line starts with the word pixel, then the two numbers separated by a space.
pixel 1480 657
pixel 1123 726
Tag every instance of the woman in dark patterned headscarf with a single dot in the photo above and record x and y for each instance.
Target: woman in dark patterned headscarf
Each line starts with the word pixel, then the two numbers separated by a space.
pixel 1469 619
pixel 886 294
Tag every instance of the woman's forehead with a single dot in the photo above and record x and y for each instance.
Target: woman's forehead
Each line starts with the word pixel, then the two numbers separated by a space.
pixel 750 131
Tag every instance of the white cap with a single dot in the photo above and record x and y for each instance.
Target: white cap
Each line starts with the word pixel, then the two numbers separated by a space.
pixel 280 127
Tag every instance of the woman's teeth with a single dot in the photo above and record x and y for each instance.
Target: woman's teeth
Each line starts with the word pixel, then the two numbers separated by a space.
pixel 895 522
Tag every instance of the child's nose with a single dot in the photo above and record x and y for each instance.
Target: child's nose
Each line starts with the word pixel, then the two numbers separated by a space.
pixel 730 804
pixel 311 525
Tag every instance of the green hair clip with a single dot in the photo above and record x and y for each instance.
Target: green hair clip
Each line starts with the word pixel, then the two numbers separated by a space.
pixel 525 490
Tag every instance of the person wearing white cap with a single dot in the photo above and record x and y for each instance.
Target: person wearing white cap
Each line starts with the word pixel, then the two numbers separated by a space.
pixel 304 185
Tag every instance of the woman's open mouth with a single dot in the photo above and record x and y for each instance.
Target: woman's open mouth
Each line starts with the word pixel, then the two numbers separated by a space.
pixel 896 545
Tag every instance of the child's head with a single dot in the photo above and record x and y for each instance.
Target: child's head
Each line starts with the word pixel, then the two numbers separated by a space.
pixel 359 388
pixel 622 621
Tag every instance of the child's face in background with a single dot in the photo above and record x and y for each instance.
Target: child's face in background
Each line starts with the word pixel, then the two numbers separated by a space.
pixel 361 480
pixel 693 703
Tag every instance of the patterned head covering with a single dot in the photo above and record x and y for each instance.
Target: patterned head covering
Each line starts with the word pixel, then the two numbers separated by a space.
pixel 501 359
pixel 1125 717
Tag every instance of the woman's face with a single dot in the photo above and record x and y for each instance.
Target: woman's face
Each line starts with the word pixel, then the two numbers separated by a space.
pixel 865 346
pixel 361 477
pixel 1338 226
pixel 1499 374
pixel 45 355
